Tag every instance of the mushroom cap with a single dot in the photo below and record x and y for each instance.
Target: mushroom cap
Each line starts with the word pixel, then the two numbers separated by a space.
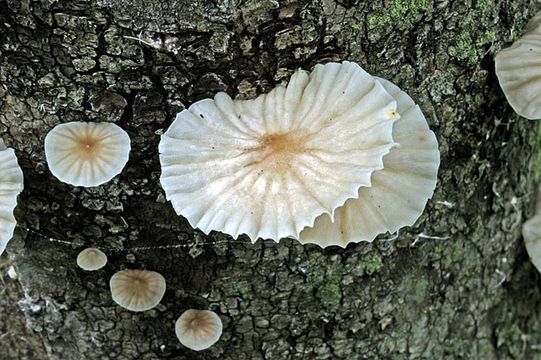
pixel 137 290
pixel 268 167
pixel 518 68
pixel 198 329
pixel 531 232
pixel 11 185
pixel 533 23
pixel 86 154
pixel 399 192
pixel 91 259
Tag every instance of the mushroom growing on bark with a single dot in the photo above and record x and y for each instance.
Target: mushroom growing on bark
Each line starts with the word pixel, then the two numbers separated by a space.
pixel 11 185
pixel 531 232
pixel 91 259
pixel 198 329
pixel 137 290
pixel 86 154
pixel 268 167
pixel 519 68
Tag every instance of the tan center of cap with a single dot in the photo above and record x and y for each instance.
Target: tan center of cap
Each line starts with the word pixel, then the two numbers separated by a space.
pixel 278 150
pixel 88 146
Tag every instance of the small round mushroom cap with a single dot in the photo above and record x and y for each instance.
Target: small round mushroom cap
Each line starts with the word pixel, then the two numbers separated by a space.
pixel 268 167
pixel 518 68
pixel 399 192
pixel 11 185
pixel 86 154
pixel 91 259
pixel 137 290
pixel 531 232
pixel 198 329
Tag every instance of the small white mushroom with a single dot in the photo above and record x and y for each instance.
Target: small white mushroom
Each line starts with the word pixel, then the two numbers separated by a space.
pixel 11 185
pixel 518 69
pixel 198 329
pixel 91 259
pixel 399 192
pixel 531 232
pixel 86 154
pixel 268 167
pixel 137 290
pixel 12 273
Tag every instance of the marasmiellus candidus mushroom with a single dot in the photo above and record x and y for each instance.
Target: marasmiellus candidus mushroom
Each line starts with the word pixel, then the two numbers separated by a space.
pixel 137 290
pixel 11 185
pixel 91 259
pixel 198 329
pixel 531 232
pixel 86 154
pixel 518 69
pixel 268 167
pixel 399 191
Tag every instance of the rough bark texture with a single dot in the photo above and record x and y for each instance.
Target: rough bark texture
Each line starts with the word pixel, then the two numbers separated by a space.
pixel 456 285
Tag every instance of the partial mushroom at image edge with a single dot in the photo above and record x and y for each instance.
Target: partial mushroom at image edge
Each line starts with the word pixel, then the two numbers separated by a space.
pixel 518 69
pixel 531 232
pixel 11 185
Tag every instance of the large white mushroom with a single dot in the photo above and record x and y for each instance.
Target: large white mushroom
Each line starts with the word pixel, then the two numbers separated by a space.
pixel 268 167
pixel 11 185
pixel 86 154
pixel 519 71
pixel 399 192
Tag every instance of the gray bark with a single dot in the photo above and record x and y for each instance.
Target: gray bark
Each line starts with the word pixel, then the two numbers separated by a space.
pixel 456 285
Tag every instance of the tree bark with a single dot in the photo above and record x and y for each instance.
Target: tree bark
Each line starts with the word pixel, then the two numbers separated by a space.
pixel 458 284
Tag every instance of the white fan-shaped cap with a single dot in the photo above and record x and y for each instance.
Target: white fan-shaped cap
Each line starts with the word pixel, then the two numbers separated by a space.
pixel 268 167
pixel 198 329
pixel 531 232
pixel 86 154
pixel 137 290
pixel 399 192
pixel 519 72
pixel 91 259
pixel 11 185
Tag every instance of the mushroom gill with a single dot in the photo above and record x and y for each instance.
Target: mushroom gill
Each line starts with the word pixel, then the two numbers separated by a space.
pixel 399 191
pixel 518 69
pixel 137 290
pixel 11 185
pixel 86 154
pixel 198 329
pixel 91 259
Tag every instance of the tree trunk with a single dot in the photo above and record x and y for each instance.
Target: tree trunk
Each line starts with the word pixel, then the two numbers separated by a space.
pixel 456 285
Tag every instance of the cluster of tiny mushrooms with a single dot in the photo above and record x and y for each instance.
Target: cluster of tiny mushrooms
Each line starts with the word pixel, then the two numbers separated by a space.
pixel 333 157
